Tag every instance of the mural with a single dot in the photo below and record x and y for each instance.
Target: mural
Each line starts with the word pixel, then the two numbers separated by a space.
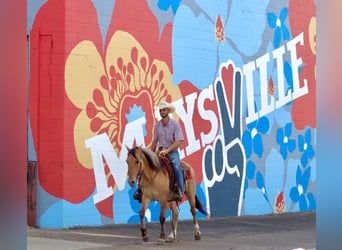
pixel 241 74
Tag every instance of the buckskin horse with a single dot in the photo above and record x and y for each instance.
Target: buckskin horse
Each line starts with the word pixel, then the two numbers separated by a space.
pixel 147 168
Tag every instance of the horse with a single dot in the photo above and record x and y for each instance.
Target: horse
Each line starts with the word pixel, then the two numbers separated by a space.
pixel 147 168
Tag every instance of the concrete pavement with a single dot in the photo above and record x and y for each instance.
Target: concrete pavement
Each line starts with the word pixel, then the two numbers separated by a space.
pixel 276 232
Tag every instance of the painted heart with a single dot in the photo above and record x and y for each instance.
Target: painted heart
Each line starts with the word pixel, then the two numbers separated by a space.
pixel 227 75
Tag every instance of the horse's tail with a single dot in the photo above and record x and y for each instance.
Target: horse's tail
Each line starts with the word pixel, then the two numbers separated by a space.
pixel 200 206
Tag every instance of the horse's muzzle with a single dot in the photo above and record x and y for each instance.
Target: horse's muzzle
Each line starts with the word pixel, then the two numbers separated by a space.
pixel 132 182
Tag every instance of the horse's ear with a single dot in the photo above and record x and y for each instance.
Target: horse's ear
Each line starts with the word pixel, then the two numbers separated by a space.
pixel 128 149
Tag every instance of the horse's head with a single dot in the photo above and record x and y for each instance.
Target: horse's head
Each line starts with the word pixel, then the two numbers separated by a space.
pixel 134 163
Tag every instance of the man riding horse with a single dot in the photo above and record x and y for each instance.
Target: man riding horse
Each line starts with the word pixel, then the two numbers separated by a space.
pixel 167 139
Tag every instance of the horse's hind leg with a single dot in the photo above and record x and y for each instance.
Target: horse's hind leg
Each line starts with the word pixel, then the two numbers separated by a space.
pixel 197 232
pixel 191 192
pixel 172 235
pixel 144 233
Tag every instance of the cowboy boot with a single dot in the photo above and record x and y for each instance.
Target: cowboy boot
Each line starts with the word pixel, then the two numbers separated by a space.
pixel 177 194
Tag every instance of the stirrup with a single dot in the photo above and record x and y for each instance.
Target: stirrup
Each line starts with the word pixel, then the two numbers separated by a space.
pixel 137 196
pixel 178 196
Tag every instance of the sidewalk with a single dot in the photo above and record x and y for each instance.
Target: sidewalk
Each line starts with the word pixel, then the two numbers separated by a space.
pixel 276 232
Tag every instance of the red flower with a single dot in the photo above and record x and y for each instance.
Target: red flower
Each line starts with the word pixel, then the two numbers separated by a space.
pixel 78 90
pixel 279 206
pixel 219 31
pixel 271 87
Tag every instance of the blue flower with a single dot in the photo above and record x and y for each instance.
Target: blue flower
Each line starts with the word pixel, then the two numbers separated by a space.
pixel 283 139
pixel 165 5
pixel 279 25
pixel 270 186
pixel 305 146
pixel 252 139
pixel 298 192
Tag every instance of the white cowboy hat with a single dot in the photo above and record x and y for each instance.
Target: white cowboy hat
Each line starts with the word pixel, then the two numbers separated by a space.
pixel 165 104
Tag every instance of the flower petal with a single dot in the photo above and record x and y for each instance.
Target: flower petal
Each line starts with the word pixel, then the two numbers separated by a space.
pixel 300 143
pixel 260 180
pixel 306 178
pixel 291 145
pixel 298 176
pixel 277 37
pixel 283 14
pixel 175 5
pixel 286 32
pixel 257 145
pixel 250 170
pixel 164 4
pixel 288 74
pixel 290 178
pixel 263 125
pixel 82 132
pixel 303 205
pixel 280 136
pixel 308 136
pixel 304 159
pixel 294 195
pixel 283 151
pixel 247 143
pixel 272 19
pixel 288 129
pixel 312 201
pixel 310 151
pixel 83 73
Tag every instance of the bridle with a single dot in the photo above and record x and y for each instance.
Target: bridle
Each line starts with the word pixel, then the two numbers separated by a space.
pixel 139 161
pixel 139 175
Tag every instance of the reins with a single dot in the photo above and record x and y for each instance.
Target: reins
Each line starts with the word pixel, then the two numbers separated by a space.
pixel 139 175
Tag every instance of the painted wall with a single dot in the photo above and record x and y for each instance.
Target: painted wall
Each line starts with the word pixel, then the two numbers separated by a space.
pixel 241 74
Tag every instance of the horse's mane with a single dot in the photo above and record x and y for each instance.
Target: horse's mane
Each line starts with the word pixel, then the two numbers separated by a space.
pixel 152 158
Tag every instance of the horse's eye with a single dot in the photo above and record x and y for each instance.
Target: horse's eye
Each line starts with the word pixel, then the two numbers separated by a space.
pixel 136 161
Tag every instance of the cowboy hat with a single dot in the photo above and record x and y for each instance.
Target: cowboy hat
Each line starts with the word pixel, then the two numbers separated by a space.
pixel 165 104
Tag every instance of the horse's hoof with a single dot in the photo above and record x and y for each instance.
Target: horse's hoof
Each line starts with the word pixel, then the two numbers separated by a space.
pixel 169 239
pixel 145 238
pixel 197 235
pixel 160 241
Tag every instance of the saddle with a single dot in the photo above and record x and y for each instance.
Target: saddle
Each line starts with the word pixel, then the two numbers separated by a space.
pixel 174 189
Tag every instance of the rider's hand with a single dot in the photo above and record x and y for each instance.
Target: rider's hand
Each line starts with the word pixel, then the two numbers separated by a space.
pixel 163 152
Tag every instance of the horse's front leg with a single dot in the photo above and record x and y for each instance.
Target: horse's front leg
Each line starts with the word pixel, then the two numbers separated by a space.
pixel 162 219
pixel 172 235
pixel 144 233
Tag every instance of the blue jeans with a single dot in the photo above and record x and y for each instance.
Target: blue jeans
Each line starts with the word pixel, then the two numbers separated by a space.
pixel 175 160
